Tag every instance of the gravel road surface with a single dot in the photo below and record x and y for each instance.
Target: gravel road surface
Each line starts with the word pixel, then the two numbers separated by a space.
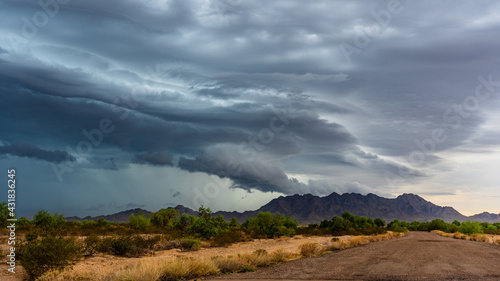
pixel 417 256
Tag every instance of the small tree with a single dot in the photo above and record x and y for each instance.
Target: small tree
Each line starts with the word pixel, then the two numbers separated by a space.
pixel 267 225
pixel 205 213
pixel 139 222
pixel 164 217
pixel 379 222
pixel 471 227
pixel 46 221
pixel 234 222
pixel 184 221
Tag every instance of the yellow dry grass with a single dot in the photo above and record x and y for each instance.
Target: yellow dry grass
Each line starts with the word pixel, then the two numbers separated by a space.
pixel 354 241
pixel 310 249
pixel 487 238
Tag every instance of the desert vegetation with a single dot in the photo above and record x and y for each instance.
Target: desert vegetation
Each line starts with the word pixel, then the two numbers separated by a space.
pixel 189 267
pixel 51 245
pixel 466 227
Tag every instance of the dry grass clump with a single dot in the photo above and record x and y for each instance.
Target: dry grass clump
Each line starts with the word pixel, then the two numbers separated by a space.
pixel 246 262
pixel 338 244
pixel 497 241
pixel 445 234
pixel 458 235
pixel 65 275
pixel 479 238
pixel 78 274
pixel 280 255
pixel 229 264
pixel 258 258
pixel 474 237
pixel 310 249
pixel 359 240
pixel 145 270
pixel 167 245
pixel 188 268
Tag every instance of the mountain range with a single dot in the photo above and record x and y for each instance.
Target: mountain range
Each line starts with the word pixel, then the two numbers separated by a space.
pixel 309 208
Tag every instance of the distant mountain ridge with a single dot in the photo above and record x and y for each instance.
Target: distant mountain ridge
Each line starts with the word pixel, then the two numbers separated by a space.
pixel 309 208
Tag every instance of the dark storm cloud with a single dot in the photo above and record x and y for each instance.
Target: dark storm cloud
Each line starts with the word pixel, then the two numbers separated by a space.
pixel 246 173
pixel 158 159
pixel 197 84
pixel 31 151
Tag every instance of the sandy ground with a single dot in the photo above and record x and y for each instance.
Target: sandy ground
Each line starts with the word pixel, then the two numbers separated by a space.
pixel 417 256
pixel 107 263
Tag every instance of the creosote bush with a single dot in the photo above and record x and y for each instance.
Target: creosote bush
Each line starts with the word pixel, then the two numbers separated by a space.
pixel 49 253
pixel 226 238
pixel 91 243
pixel 188 244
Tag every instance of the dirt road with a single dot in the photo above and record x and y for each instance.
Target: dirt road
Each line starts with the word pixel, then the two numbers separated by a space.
pixel 417 256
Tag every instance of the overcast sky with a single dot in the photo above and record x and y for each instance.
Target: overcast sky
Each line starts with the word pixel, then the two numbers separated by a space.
pixel 112 105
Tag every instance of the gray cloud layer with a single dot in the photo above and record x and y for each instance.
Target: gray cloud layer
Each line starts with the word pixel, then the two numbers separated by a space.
pixel 258 92
pixel 28 150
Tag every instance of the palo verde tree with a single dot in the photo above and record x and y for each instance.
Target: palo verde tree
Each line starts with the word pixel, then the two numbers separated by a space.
pixel 139 221
pixel 46 221
pixel 205 226
pixel 164 218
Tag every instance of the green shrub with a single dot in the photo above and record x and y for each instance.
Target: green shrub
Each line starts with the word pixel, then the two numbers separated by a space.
pixel 267 225
pixel 227 238
pixel 31 236
pixel 4 213
pixel 205 226
pixel 49 253
pixel 188 244
pixel 141 245
pixel 234 223
pixel 400 229
pixel 129 246
pixel 104 246
pixel 184 221
pixel 121 246
pixel 471 227
pixel 379 222
pixel 164 217
pixel 46 221
pixel 139 222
